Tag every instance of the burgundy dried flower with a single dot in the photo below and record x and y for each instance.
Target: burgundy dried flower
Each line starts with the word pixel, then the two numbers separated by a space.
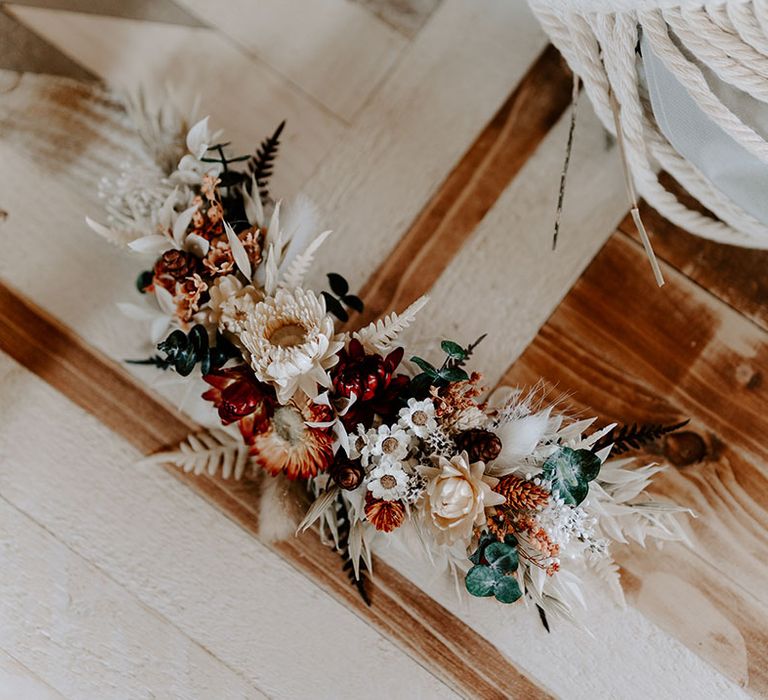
pixel 370 377
pixel 239 396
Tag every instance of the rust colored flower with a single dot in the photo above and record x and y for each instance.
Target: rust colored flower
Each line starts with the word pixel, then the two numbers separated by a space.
pixel 291 446
pixel 187 297
pixel 371 378
pixel 251 239
pixel 384 515
pixel 174 266
pixel 347 474
pixel 219 259
pixel 239 397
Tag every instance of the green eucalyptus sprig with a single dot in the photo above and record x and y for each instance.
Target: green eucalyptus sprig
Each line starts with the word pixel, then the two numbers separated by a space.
pixel 493 572
pixel 185 350
pixel 452 370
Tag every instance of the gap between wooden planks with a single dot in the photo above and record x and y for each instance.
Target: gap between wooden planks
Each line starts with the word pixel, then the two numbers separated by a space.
pixel 435 638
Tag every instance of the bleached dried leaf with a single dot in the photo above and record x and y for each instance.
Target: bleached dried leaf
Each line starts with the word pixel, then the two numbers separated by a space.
pixel 181 225
pixel 321 504
pixel 238 252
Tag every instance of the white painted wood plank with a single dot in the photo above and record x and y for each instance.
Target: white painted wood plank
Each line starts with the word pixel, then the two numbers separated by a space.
pixel 450 82
pixel 88 638
pixel 244 97
pixel 507 280
pixel 333 49
pixel 619 654
pixel 17 681
pixel 177 555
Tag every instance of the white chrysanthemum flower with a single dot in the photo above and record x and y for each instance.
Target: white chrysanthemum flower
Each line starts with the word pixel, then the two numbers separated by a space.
pixel 385 442
pixel 292 342
pixel 388 481
pixel 418 417
pixel 232 304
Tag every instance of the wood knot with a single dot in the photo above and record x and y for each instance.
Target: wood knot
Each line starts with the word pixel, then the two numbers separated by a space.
pixel 684 448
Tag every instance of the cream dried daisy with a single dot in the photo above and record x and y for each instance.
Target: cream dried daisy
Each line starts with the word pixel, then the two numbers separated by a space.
pixel 385 442
pixel 388 481
pixel 418 417
pixel 292 342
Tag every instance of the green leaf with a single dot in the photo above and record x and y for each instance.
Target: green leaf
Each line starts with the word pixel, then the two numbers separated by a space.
pixel 570 472
pixel 507 589
pixel 485 539
pixel 453 374
pixel 481 581
pixel 353 302
pixel 339 286
pixel 144 280
pixel 453 350
pixel 334 306
pixel 424 366
pixel 501 557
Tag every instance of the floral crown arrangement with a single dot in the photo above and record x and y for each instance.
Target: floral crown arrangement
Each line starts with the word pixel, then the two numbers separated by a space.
pixel 514 497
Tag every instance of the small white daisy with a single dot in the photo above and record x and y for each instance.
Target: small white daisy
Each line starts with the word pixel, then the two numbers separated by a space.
pixel 418 417
pixel 391 442
pixel 388 481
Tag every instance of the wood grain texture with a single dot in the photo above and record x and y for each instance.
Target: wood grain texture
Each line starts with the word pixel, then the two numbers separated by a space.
pixel 17 681
pixel 115 50
pixel 627 351
pixel 24 51
pixel 471 189
pixel 293 38
pixel 735 275
pixel 76 619
pixel 180 558
pixel 441 643
pixel 406 16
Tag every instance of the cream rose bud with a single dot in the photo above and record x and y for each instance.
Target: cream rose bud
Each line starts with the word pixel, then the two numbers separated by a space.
pixel 457 494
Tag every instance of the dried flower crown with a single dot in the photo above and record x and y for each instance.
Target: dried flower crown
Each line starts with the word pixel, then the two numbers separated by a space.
pixel 510 494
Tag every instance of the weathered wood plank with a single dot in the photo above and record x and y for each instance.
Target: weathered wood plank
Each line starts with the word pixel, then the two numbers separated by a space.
pixel 19 682
pixel 462 658
pixel 628 351
pixel 735 275
pixel 115 49
pixel 406 16
pixel 294 39
pixel 76 620
pixel 471 189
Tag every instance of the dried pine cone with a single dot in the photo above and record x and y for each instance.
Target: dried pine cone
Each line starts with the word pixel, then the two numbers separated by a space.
pixel 521 494
pixel 347 474
pixel 174 266
pixel 481 445
pixel 384 515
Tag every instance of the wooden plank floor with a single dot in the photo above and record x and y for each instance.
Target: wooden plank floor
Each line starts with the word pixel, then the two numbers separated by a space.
pixel 434 151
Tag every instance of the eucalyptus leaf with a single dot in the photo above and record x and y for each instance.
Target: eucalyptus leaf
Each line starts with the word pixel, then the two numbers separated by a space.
pixel 453 350
pixel 339 286
pixel 501 557
pixel 334 306
pixel 570 472
pixel 453 374
pixel 424 366
pixel 481 581
pixel 353 302
pixel 507 590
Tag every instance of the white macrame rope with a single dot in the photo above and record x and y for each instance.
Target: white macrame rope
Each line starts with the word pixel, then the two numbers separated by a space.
pixel 730 38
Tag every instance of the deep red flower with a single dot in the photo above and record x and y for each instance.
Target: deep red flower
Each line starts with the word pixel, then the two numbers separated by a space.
pixel 240 397
pixel 371 378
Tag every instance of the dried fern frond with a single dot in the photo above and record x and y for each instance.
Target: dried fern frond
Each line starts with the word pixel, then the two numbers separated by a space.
pixel 379 336
pixel 633 437
pixel 207 452
pixel 262 163
pixel 299 266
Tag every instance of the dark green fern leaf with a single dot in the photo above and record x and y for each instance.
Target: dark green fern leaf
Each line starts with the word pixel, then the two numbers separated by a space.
pixel 262 163
pixel 632 437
